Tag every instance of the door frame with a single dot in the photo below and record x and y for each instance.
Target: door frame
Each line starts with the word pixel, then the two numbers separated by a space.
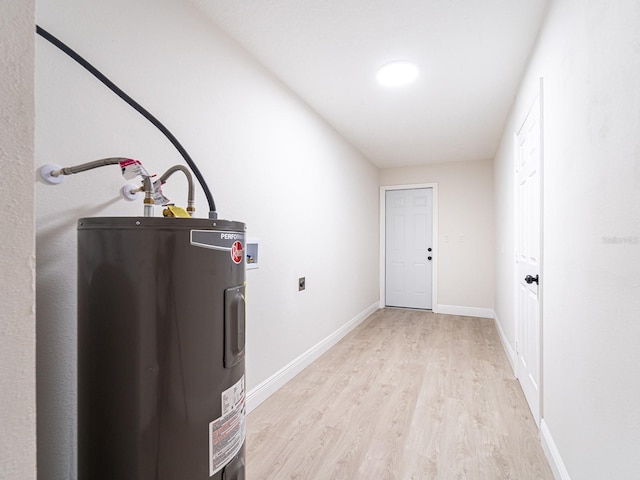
pixel 536 102
pixel 383 211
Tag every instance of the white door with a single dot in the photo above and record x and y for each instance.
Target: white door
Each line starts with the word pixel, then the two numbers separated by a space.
pixel 409 248
pixel 528 326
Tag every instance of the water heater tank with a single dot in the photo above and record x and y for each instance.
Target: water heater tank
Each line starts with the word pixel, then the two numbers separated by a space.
pixel 161 335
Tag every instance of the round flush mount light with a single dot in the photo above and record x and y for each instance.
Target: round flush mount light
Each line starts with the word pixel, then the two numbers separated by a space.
pixel 397 73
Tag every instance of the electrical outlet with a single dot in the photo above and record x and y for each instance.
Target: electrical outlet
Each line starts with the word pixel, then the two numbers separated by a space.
pixel 301 284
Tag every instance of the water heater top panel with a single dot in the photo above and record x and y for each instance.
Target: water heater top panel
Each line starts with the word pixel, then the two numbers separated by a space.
pixel 159 223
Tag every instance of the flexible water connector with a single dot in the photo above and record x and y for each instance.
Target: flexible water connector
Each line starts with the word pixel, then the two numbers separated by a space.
pixel 87 166
pixel 54 174
pixel 191 206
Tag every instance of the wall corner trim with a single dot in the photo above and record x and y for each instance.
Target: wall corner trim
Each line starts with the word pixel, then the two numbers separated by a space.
pixel 464 311
pixel 506 345
pixel 553 454
pixel 276 381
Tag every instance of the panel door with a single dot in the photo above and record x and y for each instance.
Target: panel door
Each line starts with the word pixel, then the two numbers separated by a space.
pixel 408 248
pixel 528 324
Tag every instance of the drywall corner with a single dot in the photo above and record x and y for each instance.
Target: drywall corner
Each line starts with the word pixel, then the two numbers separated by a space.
pixel 17 248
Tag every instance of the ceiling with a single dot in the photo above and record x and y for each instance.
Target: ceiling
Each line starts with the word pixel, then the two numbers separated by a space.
pixel 471 55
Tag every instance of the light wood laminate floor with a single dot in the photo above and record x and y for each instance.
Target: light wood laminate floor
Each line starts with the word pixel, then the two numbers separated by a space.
pixel 406 395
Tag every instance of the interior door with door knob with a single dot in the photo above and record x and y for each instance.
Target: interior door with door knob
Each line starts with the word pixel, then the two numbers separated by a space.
pixel 528 248
pixel 409 248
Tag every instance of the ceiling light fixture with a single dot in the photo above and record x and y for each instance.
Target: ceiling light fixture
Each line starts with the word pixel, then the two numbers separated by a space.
pixel 397 73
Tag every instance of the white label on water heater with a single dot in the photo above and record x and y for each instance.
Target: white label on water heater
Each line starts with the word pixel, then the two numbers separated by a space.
pixel 226 433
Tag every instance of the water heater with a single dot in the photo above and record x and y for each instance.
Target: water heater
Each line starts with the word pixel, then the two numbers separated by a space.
pixel 161 335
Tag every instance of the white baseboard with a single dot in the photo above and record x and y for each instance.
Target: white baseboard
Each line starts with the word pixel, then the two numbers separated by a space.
pixel 276 381
pixel 553 454
pixel 464 311
pixel 508 349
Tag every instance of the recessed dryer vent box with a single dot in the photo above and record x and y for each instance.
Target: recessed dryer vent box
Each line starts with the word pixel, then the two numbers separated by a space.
pixel 252 254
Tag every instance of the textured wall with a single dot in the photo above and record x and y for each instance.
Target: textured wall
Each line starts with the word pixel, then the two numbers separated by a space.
pixel 589 57
pixel 17 248
pixel 465 230
pixel 308 196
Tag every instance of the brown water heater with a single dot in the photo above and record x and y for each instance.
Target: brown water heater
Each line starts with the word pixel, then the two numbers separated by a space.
pixel 161 335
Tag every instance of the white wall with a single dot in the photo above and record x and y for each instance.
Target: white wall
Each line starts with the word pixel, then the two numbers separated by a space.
pixel 465 230
pixel 589 57
pixel 309 197
pixel 17 245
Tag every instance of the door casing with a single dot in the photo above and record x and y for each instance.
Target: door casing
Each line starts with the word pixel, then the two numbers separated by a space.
pixel 434 282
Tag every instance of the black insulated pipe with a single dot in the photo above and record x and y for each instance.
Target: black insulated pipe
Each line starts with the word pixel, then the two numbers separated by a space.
pixel 139 108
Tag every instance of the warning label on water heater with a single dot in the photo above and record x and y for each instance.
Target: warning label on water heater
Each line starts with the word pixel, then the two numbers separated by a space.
pixel 226 433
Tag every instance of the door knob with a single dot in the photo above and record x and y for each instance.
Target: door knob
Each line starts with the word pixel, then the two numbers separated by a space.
pixel 429 258
pixel 529 279
pixel 429 249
